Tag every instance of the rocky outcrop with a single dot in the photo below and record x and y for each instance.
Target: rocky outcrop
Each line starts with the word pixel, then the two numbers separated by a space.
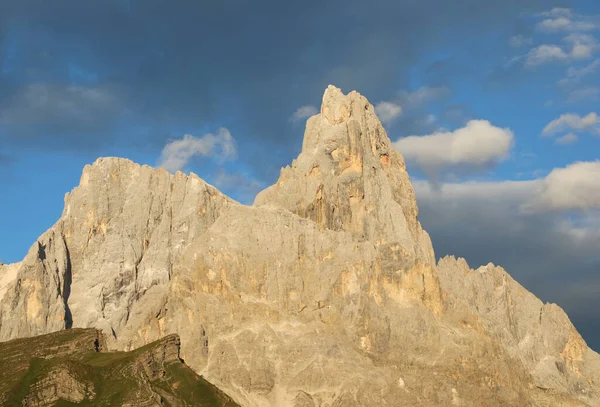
pixel 36 290
pixel 61 383
pixel 324 292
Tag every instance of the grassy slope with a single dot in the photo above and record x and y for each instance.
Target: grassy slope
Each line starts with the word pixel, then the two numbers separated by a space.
pixel 116 376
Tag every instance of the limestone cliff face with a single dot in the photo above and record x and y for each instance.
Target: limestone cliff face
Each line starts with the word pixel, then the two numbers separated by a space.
pixel 123 243
pixel 115 243
pixel 324 292
pixel 540 335
pixel 36 290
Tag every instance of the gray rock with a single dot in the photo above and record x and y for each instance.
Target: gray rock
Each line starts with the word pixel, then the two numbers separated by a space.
pixel 540 335
pixel 324 292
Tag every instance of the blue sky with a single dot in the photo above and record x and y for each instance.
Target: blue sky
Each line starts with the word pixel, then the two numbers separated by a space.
pixel 474 93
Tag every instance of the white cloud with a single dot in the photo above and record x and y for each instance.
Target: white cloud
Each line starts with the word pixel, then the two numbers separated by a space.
pixel 566 24
pixel 579 38
pixel 520 41
pixel 575 75
pixel 544 54
pixel 388 111
pixel 568 138
pixel 569 190
pixel 564 19
pixel 304 112
pixel 572 121
pixel 510 223
pixel 575 187
pixel 581 51
pixel 177 153
pixel 557 12
pixel 583 45
pixel 477 144
pixel 577 47
pixel 482 222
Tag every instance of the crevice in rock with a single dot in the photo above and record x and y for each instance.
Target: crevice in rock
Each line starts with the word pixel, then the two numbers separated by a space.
pixel 41 251
pixel 66 290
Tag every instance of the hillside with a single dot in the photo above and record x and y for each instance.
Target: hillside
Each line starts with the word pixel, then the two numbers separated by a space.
pixel 72 367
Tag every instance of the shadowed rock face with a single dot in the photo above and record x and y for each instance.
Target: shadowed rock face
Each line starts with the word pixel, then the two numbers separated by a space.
pixel 324 292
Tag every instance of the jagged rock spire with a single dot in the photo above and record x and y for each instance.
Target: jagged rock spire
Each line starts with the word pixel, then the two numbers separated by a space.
pixel 349 177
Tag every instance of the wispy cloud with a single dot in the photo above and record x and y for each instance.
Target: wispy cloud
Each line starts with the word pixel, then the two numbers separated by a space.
pixel 575 74
pixel 577 47
pixel 568 138
pixel 177 153
pixel 566 20
pixel 520 41
pixel 545 53
pixel 566 24
pixel 388 111
pixel 571 121
pixel 411 105
pixel 588 94
pixel 304 112
pixel 577 42
pixel 557 12
pixel 422 96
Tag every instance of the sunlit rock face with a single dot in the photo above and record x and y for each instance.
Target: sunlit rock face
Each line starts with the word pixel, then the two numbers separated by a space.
pixel 349 178
pixel 325 292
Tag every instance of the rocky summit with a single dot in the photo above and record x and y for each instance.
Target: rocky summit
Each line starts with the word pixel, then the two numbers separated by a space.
pixel 324 292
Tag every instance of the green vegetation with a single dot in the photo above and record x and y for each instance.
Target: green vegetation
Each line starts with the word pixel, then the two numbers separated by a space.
pixel 65 369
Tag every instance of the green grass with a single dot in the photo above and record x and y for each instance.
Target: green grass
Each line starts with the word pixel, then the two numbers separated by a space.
pixel 117 377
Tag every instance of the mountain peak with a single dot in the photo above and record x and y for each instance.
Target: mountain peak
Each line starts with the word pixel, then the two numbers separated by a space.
pixel 336 106
pixel 349 177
